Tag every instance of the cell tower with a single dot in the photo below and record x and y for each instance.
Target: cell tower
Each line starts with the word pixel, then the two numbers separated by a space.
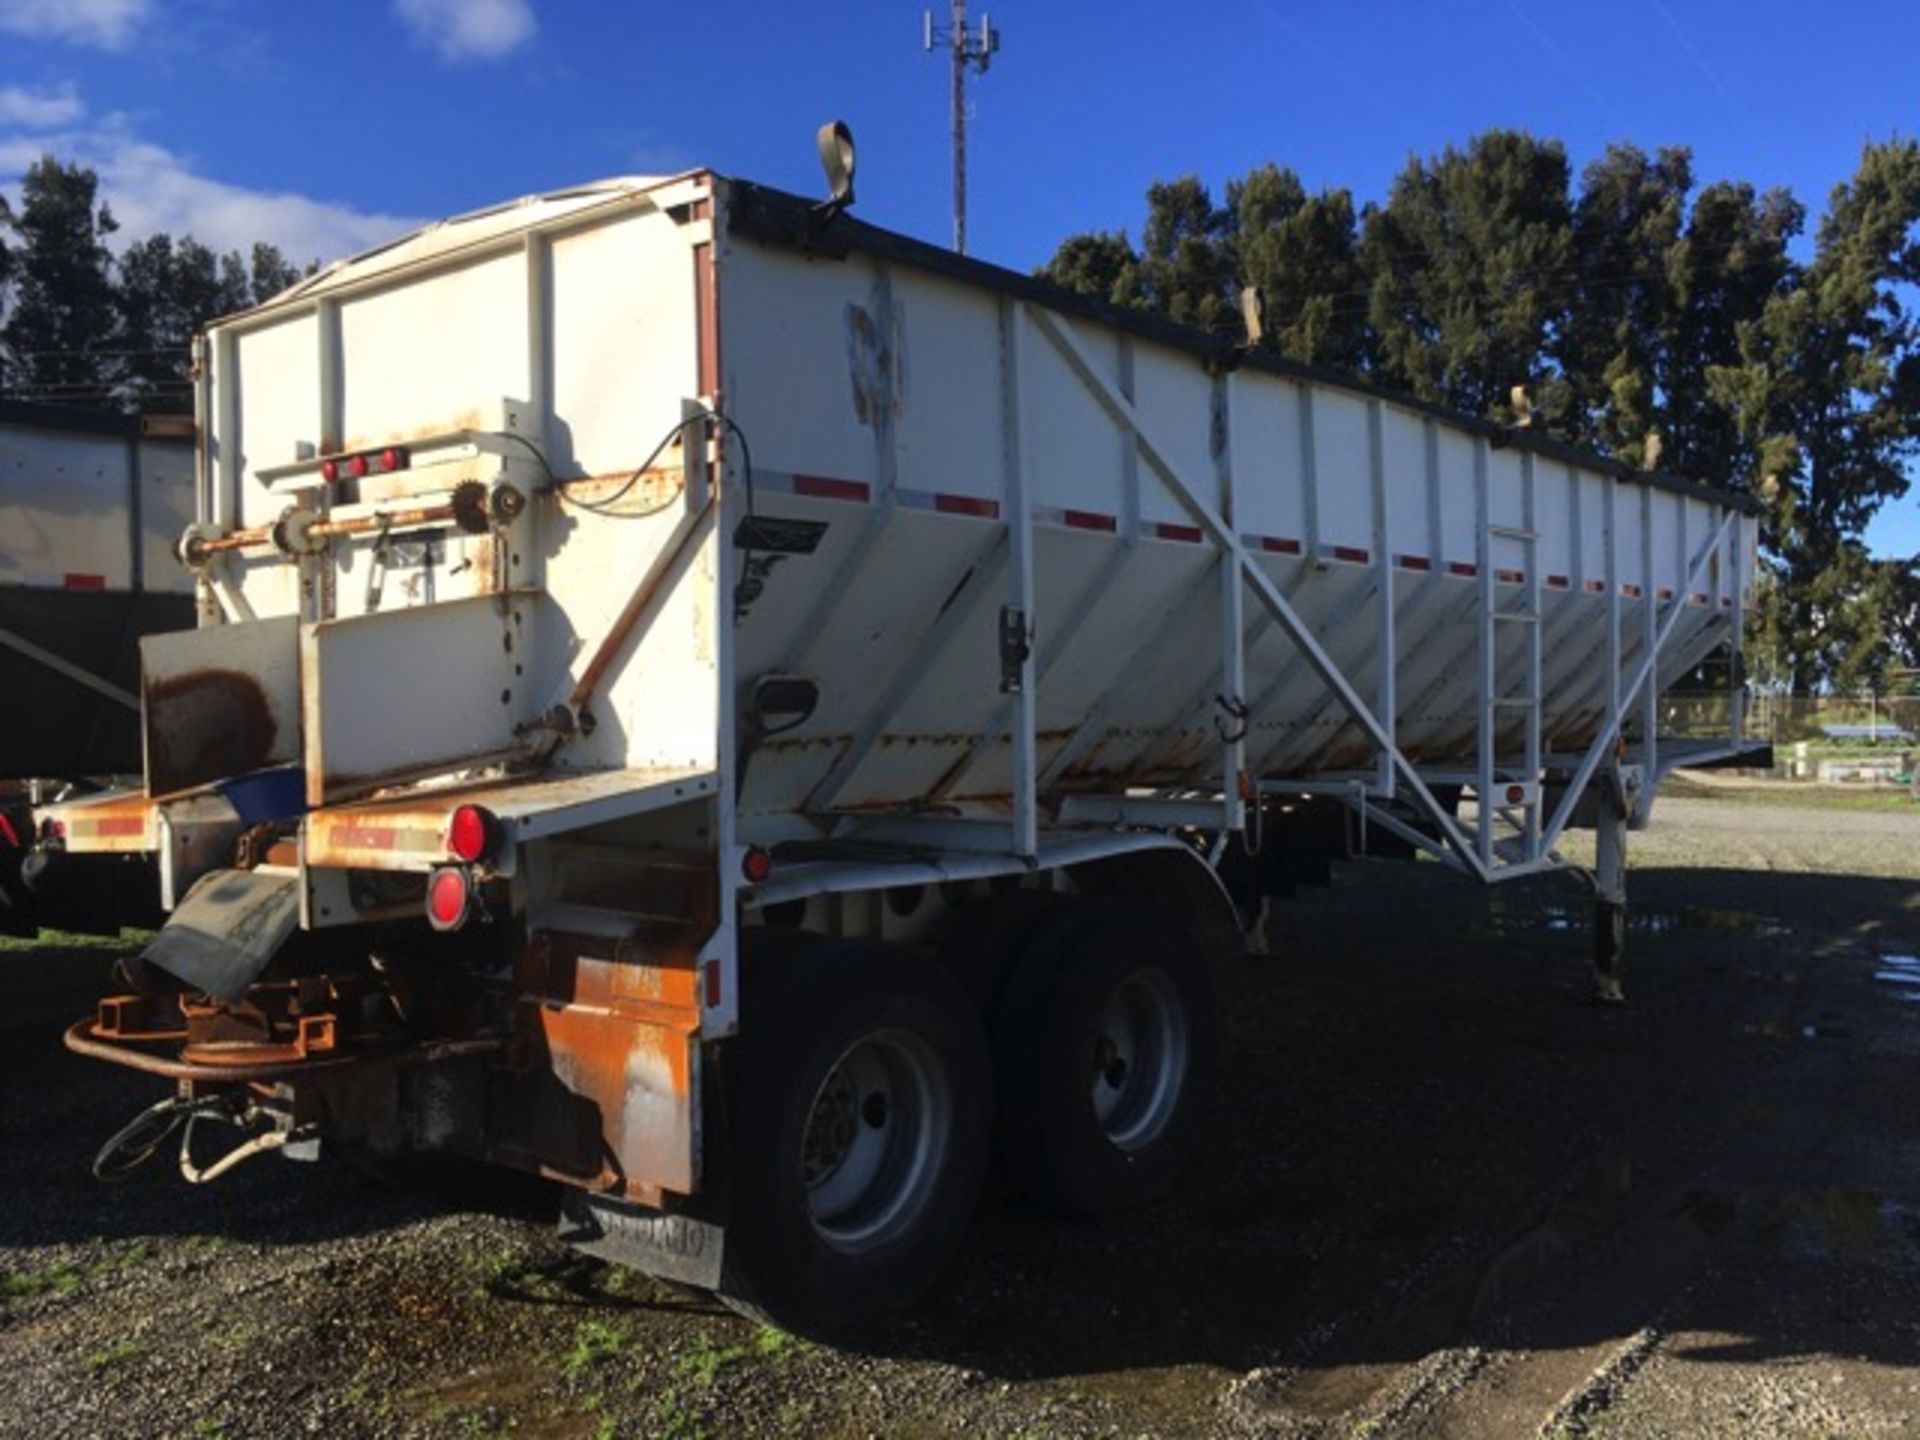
pixel 976 50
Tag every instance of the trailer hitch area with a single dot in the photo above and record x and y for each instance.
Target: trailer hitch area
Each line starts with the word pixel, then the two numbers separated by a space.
pixel 143 1137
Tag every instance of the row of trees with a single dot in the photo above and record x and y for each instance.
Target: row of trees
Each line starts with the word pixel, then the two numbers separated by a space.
pixel 84 326
pixel 1646 316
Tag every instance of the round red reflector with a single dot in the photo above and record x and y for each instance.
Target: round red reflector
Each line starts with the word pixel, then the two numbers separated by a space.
pixel 1515 794
pixel 329 470
pixel 357 466
pixel 473 834
pixel 447 896
pixel 756 864
pixel 393 458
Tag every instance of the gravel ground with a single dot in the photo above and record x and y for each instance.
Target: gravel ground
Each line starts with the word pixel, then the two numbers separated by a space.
pixel 1445 1196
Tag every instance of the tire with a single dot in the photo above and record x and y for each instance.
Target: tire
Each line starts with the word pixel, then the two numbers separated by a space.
pixel 1104 1046
pixel 859 1127
pixel 983 939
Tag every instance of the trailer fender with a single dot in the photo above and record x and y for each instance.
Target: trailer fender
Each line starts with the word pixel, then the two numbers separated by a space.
pixel 1175 881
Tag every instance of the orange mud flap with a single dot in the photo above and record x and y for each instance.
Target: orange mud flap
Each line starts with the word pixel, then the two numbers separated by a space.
pixel 677 1247
pixel 227 931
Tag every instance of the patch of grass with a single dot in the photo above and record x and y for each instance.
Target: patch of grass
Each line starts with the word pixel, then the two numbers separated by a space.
pixel 59 1279
pixel 673 1421
pixel 772 1343
pixel 113 1355
pixel 706 1359
pixel 1808 795
pixel 68 940
pixel 208 1429
pixel 594 1341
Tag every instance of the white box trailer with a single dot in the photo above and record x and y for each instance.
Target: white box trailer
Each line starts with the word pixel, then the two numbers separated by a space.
pixel 750 715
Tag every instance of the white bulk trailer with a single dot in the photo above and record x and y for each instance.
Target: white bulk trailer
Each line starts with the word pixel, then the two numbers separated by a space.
pixel 791 708
pixel 91 503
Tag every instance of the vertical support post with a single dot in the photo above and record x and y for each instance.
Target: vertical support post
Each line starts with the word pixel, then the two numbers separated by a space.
pixel 1019 512
pixel 1484 664
pixel 1610 882
pixel 1386 702
pixel 1650 696
pixel 1736 666
pixel 331 420
pixel 539 258
pixel 1535 642
pixel 1610 535
pixel 1233 620
pixel 1309 476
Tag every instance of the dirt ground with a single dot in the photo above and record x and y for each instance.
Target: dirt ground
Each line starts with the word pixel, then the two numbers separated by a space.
pixel 1445 1195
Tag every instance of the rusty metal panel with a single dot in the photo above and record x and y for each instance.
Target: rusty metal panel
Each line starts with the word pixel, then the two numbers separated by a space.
pixel 219 702
pixel 619 1023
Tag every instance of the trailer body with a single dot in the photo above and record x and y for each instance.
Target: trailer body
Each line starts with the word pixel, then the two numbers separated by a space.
pixel 91 503
pixel 645 622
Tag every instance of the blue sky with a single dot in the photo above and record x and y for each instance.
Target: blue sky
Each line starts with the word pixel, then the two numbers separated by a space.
pixel 326 127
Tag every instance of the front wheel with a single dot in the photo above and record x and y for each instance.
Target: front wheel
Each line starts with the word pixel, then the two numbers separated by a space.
pixel 859 1115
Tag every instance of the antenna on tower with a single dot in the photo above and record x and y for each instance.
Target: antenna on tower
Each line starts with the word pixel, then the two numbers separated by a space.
pixel 976 49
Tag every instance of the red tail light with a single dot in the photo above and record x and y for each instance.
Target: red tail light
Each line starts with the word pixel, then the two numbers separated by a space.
pixel 330 470
pixel 756 865
pixel 357 466
pixel 474 834
pixel 449 898
pixel 392 458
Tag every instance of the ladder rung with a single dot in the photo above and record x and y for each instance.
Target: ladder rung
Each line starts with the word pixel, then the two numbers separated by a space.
pixel 1513 532
pixel 1515 701
pixel 1524 617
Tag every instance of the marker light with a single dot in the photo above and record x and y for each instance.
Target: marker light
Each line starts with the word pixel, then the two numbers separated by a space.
pixel 449 897
pixel 330 470
pixel 474 834
pixel 390 459
pixel 357 466
pixel 756 864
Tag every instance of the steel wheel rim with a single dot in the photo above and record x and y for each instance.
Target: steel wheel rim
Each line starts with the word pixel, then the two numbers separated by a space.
pixel 1140 1059
pixel 875 1137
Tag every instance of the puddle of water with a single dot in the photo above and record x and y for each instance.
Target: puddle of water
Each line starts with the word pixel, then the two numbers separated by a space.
pixel 1902 973
pixel 1506 917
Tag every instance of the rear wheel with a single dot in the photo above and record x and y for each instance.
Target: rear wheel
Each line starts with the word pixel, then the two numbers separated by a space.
pixel 859 1113
pixel 1104 1048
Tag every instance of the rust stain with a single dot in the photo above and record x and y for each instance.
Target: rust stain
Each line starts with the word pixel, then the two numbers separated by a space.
pixel 464 420
pixel 876 364
pixel 204 725
pixel 636 493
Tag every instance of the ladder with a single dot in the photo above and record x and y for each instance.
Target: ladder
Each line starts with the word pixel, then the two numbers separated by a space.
pixel 1507 789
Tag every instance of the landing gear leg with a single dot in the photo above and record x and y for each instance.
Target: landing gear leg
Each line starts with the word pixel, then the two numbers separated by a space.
pixel 1614 800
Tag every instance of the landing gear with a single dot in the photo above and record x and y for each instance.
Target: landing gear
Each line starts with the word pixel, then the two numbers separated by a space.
pixel 1615 795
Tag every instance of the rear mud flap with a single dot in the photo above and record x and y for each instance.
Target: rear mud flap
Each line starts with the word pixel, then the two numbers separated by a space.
pixel 673 1247
pixel 231 924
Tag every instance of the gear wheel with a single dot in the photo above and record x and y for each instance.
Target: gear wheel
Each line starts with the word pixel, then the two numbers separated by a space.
pixel 470 507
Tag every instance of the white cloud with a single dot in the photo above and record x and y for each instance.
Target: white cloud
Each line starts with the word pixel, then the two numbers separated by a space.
pixel 468 29
pixel 109 24
pixel 150 188
pixel 39 109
